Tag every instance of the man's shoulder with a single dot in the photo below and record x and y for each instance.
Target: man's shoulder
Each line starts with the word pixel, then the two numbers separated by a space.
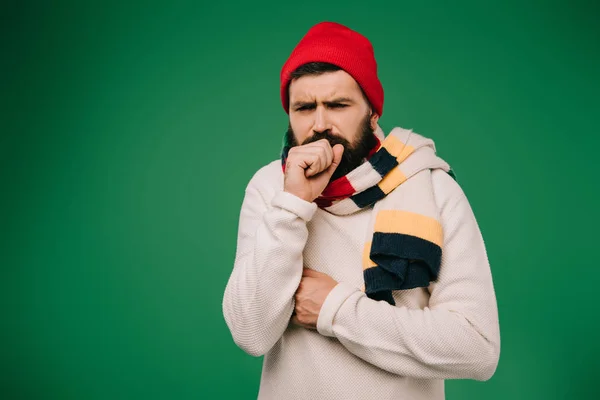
pixel 445 187
pixel 267 178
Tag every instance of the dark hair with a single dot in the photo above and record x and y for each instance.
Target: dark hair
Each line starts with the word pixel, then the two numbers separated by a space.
pixel 313 68
pixel 317 68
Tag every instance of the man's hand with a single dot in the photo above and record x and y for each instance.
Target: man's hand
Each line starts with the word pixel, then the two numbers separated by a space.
pixel 312 291
pixel 309 167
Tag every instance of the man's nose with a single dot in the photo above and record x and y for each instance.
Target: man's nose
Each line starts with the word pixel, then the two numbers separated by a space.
pixel 321 122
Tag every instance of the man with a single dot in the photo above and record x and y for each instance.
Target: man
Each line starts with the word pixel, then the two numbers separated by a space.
pixel 360 271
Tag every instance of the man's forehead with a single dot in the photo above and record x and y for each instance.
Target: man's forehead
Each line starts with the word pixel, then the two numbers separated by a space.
pixel 310 96
pixel 324 87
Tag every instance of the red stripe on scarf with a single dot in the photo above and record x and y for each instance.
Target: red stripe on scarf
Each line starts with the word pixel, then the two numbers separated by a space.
pixel 337 188
pixel 375 148
pixel 323 203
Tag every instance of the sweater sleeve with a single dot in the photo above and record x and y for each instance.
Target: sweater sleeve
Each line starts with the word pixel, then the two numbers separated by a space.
pixel 456 336
pixel 259 297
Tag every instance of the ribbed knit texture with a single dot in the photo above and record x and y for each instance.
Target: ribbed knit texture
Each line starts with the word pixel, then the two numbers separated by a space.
pixel 363 348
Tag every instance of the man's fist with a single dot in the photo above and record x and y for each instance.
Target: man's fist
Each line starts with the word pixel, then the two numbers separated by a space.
pixel 309 168
pixel 309 297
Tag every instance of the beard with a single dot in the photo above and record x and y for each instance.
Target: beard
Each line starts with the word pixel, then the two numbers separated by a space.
pixel 354 153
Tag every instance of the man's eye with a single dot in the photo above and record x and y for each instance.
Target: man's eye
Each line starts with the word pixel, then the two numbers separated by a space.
pixel 338 105
pixel 303 108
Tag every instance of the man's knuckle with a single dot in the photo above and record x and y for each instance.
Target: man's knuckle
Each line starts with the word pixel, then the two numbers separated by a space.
pixel 302 310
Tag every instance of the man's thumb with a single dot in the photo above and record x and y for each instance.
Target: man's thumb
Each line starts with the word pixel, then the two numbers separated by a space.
pixel 338 150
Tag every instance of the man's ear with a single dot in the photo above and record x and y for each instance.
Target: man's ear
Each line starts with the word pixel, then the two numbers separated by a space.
pixel 374 118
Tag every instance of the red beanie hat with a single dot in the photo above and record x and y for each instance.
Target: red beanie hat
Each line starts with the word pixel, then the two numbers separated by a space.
pixel 336 44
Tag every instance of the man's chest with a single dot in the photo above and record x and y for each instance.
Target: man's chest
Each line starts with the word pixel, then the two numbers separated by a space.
pixel 336 246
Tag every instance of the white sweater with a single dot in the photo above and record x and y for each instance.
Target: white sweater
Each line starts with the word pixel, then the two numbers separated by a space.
pixel 362 349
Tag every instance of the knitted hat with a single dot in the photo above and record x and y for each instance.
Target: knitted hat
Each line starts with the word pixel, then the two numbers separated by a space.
pixel 336 44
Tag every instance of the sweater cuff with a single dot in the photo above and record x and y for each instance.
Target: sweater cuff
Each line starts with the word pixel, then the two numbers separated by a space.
pixel 331 305
pixel 294 204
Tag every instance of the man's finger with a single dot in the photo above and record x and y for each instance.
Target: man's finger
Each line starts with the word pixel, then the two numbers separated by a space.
pixel 312 160
pixel 326 149
pixel 323 147
pixel 309 161
pixel 295 320
pixel 310 272
pixel 338 150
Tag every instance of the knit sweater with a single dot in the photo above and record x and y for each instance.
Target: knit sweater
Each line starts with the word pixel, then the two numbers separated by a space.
pixel 362 348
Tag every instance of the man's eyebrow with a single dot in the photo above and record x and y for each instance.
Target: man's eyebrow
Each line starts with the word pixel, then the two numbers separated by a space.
pixel 336 100
pixel 339 100
pixel 301 103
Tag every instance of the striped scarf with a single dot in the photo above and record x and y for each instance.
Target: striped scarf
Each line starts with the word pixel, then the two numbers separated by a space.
pixel 403 245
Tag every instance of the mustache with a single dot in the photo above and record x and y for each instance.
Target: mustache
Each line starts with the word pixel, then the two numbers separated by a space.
pixel 331 138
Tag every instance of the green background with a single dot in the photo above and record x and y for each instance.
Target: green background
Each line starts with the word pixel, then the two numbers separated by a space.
pixel 129 132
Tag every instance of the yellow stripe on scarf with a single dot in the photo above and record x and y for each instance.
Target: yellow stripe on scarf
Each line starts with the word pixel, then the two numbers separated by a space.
pixel 409 223
pixel 367 262
pixel 397 148
pixel 391 180
pixel 395 177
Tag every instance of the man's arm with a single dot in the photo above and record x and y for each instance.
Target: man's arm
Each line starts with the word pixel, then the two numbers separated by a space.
pixel 456 336
pixel 259 297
